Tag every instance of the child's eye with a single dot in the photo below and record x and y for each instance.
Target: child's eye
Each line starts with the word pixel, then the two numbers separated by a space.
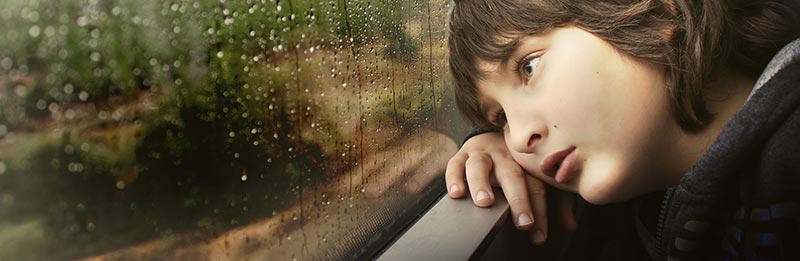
pixel 528 66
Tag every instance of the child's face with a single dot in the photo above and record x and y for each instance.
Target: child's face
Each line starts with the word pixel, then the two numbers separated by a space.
pixel 612 108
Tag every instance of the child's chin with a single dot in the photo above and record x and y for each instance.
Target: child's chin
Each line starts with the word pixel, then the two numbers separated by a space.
pixel 607 183
pixel 601 195
pixel 596 199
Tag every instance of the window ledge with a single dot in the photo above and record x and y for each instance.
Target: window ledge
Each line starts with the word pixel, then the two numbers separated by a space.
pixel 453 229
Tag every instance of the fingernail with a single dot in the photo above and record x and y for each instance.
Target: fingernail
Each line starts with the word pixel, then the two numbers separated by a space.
pixel 538 237
pixel 453 188
pixel 482 195
pixel 524 219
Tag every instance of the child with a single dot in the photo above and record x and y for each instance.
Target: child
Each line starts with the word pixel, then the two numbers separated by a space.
pixel 615 100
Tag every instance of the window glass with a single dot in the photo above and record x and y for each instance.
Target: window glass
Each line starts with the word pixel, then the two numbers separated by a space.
pixel 224 129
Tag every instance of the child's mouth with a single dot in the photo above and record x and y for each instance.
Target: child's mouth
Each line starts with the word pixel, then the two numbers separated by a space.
pixel 559 164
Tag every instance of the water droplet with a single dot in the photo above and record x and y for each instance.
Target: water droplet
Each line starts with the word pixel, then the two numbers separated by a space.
pixel 220 54
pixel 90 227
pixel 75 167
pixel 120 184
pixel 6 63
pixel 34 31
pixel 70 114
pixel 244 177
pixel 95 56
pixel 49 31
pixel 21 90
pixel 82 21
pixel 232 134
pixel 83 96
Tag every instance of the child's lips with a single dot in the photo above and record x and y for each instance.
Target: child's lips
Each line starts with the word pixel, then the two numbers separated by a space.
pixel 559 164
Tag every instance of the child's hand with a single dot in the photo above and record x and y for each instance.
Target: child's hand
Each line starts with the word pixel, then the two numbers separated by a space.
pixel 485 161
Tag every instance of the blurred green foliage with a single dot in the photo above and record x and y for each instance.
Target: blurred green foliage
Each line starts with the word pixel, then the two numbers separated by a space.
pixel 212 131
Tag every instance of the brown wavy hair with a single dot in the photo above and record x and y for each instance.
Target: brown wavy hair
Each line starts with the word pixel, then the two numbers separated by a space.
pixel 692 39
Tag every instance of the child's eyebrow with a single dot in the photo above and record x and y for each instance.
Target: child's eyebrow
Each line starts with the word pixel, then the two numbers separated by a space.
pixel 509 50
pixel 513 47
pixel 503 54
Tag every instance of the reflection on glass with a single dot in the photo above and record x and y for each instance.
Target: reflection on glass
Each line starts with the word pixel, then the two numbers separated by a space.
pixel 218 129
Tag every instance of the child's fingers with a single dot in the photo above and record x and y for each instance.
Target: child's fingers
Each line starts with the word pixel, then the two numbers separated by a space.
pixel 512 180
pixel 537 192
pixel 566 202
pixel 454 176
pixel 477 169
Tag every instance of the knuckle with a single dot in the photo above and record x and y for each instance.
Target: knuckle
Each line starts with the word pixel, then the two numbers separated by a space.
pixel 537 191
pixel 509 172
pixel 459 158
pixel 476 160
pixel 451 176
pixel 454 161
pixel 482 157
pixel 518 201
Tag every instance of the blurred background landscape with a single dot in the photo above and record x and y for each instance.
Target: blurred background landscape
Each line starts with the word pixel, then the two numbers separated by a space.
pixel 127 123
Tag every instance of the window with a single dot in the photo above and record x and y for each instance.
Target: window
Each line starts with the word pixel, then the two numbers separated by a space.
pixel 225 129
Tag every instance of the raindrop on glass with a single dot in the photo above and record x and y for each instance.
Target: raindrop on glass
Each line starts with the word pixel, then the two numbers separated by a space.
pixel 83 96
pixel 34 31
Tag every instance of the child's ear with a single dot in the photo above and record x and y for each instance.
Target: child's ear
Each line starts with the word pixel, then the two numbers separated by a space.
pixel 669 32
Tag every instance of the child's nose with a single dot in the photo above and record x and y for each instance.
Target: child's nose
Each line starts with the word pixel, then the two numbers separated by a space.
pixel 525 136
